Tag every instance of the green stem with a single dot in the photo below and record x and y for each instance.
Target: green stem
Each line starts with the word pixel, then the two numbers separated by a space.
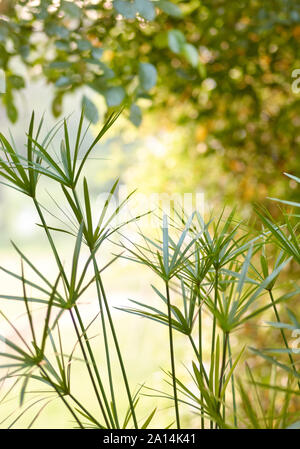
pixel 90 351
pixel 172 355
pixel 283 334
pixel 225 342
pixel 200 352
pixel 88 368
pixel 232 387
pixel 114 335
pixel 213 339
pixel 223 365
pixel 51 242
pixel 101 294
pixel 62 271
pixel 199 360
pixel 107 351
pixel 62 397
pixel 85 410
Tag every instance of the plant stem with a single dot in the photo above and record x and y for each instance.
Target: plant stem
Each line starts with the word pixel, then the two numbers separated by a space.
pixel 114 335
pixel 101 294
pixel 225 342
pixel 51 242
pixel 200 361
pixel 85 410
pixel 107 352
pixel 200 351
pixel 213 338
pixel 62 271
pixel 62 397
pixel 283 334
pixel 223 365
pixel 90 351
pixel 232 387
pixel 88 367
pixel 172 355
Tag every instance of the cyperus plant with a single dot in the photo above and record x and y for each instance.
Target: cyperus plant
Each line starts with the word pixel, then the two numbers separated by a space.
pixel 214 273
pixel 23 173
pixel 214 276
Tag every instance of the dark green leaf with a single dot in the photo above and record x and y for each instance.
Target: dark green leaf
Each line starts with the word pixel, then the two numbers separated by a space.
pixel 11 111
pixel 16 81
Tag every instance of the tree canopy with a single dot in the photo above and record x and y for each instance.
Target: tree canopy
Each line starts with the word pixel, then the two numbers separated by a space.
pixel 221 72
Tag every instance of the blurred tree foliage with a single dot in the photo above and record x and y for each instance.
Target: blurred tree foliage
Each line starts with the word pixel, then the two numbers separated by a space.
pixel 220 72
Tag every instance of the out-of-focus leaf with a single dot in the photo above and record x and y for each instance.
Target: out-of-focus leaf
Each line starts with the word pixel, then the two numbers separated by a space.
pixel 84 45
pixel 57 105
pixel 11 110
pixel 62 45
pixel 97 53
pixel 169 8
pixel 114 96
pixel 16 81
pixel 147 75
pixel 60 65
pixel 176 40
pixel 126 8
pixel 90 110
pixel 71 9
pixel 24 51
pixel 63 81
pixel 191 54
pixel 135 114
pixel 146 9
pixel 57 30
